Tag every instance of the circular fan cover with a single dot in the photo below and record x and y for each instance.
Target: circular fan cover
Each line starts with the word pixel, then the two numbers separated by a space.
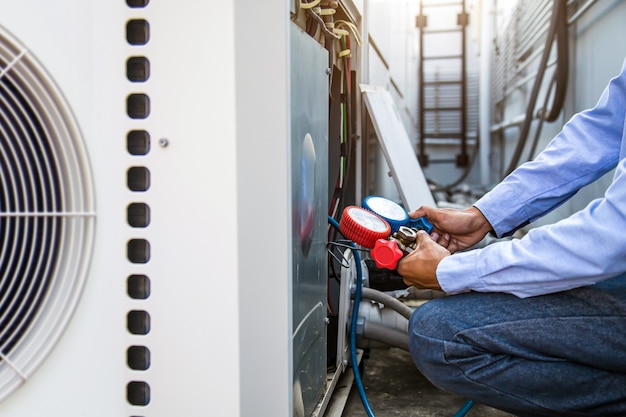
pixel 46 214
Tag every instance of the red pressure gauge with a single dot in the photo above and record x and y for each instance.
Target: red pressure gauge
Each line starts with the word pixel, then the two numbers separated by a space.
pixel 363 227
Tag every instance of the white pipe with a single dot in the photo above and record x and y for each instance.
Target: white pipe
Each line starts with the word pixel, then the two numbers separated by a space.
pixel 486 44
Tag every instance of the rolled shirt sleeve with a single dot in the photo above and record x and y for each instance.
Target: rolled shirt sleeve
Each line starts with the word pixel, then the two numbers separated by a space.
pixel 586 247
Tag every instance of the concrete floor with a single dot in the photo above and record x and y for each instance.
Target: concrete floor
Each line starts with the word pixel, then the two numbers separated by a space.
pixel 395 388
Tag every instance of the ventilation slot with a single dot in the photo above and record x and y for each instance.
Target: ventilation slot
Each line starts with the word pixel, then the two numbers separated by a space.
pixel 138 393
pixel 138 214
pixel 138 251
pixel 138 286
pixel 138 178
pixel 138 322
pixel 138 142
pixel 137 3
pixel 137 32
pixel 138 106
pixel 138 68
pixel 138 358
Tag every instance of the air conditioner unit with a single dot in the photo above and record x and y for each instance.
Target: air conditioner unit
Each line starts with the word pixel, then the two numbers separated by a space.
pixel 119 245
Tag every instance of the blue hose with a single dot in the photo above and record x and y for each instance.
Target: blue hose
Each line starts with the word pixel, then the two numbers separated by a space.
pixel 353 323
pixel 465 409
pixel 355 314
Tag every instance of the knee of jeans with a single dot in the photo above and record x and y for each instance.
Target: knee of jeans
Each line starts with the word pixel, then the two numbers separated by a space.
pixel 425 326
pixel 426 341
pixel 427 320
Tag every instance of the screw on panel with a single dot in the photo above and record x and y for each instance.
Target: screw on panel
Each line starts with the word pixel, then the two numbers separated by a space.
pixel 164 142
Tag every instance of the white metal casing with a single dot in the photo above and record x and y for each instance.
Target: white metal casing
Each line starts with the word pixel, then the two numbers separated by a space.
pixel 194 302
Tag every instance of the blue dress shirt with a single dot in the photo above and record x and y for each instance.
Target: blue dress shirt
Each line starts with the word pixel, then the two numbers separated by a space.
pixel 586 247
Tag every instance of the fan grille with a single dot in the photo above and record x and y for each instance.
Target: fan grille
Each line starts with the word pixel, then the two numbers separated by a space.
pixel 46 214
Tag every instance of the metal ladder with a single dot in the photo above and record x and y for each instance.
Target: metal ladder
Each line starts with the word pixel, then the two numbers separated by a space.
pixel 443 83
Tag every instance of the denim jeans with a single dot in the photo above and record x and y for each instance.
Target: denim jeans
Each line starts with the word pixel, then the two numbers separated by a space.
pixel 560 354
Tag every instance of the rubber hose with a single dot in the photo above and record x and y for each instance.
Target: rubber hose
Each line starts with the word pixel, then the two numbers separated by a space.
pixel 353 322
pixel 386 335
pixel 562 67
pixel 557 11
pixel 393 303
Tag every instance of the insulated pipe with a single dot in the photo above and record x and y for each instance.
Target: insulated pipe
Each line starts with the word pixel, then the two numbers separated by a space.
pixel 388 301
pixel 384 334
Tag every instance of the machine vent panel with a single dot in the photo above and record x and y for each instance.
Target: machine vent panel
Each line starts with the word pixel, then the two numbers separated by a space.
pixel 46 214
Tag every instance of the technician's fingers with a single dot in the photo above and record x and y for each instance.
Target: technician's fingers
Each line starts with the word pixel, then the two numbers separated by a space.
pixel 423 239
pixel 423 211
pixel 444 240
pixel 453 246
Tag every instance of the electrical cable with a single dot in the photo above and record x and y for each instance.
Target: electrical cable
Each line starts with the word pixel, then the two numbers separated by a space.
pixel 347 116
pixel 318 18
pixel 309 5
pixel 341 32
pixel 337 195
pixel 557 31
pixel 559 83
pixel 345 164
pixel 347 140
pixel 335 31
pixel 357 36
pixel 311 27
pixel 464 175
pixel 343 29
pixel 353 324
pixel 560 76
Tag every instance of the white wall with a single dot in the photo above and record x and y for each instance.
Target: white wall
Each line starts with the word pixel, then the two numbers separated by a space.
pixel 392 51
pixel 391 25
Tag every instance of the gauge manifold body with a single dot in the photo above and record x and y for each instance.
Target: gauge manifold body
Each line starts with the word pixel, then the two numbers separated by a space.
pixel 363 227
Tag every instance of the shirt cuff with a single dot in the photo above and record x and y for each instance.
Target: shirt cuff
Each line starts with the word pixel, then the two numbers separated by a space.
pixel 457 273
pixel 502 210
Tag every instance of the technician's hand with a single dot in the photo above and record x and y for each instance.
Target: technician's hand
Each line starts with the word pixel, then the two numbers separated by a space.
pixel 455 229
pixel 419 268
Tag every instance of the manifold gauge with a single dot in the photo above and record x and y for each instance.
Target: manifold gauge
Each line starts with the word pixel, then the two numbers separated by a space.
pixel 363 226
pixel 389 210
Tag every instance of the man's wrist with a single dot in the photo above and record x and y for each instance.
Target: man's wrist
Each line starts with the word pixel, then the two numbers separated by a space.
pixel 480 221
